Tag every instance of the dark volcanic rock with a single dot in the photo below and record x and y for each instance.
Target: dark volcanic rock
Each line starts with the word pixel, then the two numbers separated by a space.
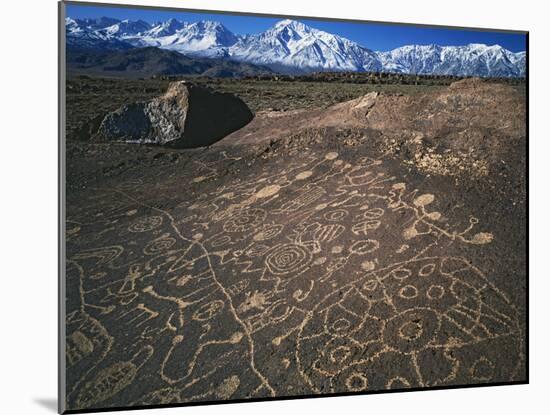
pixel 185 116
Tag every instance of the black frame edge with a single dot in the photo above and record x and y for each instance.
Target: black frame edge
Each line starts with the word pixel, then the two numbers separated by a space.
pixel 61 79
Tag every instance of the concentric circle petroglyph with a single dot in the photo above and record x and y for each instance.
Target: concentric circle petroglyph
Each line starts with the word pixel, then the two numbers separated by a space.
pixel 411 330
pixel 288 258
pixel 336 215
pixel 145 224
pixel 245 220
pixel 158 245
pixel 408 292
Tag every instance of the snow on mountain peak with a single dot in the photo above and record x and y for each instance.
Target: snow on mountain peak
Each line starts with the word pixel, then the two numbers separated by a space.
pixel 169 27
pixel 292 24
pixel 285 22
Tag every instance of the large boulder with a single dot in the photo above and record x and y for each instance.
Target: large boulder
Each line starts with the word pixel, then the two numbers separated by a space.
pixel 186 115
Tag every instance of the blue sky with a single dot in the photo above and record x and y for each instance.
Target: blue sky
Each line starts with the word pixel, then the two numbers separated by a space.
pixel 379 37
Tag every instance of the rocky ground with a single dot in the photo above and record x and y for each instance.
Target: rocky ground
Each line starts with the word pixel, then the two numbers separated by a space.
pixel 376 240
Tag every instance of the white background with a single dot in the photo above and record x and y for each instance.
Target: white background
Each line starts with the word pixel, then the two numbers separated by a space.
pixel 28 203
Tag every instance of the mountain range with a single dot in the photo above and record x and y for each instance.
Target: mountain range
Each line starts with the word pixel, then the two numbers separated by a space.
pixel 290 46
pixel 149 61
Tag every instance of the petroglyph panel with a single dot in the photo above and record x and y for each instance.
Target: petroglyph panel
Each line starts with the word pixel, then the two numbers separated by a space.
pixel 324 275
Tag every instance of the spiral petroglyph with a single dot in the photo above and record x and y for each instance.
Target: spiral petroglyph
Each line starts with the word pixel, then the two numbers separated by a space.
pixel 289 258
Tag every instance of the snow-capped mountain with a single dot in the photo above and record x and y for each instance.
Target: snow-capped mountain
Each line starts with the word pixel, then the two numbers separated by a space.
pixel 293 44
pixel 293 47
pixel 85 34
pixel 472 59
pixel 167 28
pixel 93 24
pixel 126 29
pixel 204 38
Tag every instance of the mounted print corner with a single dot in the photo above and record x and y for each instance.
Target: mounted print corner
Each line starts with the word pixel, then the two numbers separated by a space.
pixel 257 207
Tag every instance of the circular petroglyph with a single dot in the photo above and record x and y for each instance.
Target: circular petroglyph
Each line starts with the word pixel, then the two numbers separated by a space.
pixel 339 354
pixel 356 382
pixel 220 241
pixel 289 258
pixel 245 220
pixel 278 311
pixel 159 245
pixel 434 215
pixel 424 200
pixel 411 330
pixel 145 224
pixel 426 270
pixel 410 233
pixel 408 292
pixel 482 369
pixel 340 325
pixel 364 247
pixel 368 265
pixel 336 215
pixel 435 292
pixel 401 273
